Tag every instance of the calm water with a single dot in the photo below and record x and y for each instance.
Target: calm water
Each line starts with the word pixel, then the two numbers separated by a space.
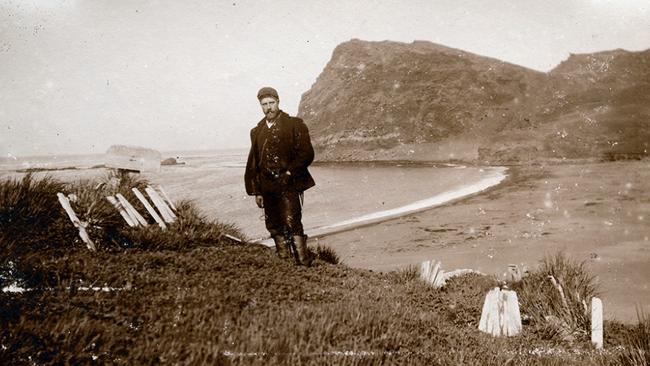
pixel 214 180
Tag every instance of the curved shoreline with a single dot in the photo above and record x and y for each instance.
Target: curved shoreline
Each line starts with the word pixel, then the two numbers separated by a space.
pixel 498 175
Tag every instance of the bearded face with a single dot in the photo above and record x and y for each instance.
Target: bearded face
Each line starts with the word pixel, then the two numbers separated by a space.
pixel 270 107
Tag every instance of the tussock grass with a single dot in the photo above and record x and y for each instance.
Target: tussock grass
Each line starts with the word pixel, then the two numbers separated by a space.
pixel 33 225
pixel 635 350
pixel 29 216
pixel 327 255
pixel 562 311
pixel 406 274
pixel 186 295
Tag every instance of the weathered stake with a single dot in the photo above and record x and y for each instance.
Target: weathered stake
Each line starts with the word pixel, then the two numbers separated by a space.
pixel 65 203
pixel 431 273
pixel 597 322
pixel 164 194
pixel 233 238
pixel 160 205
pixel 149 208
pixel 121 210
pixel 500 315
pixel 135 215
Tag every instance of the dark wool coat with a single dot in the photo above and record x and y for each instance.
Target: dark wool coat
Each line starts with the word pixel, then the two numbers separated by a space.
pixel 294 153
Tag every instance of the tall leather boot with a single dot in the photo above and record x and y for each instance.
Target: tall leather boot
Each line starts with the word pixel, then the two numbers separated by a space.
pixel 282 247
pixel 302 253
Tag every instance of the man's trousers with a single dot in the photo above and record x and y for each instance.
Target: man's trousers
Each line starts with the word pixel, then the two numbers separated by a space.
pixel 283 213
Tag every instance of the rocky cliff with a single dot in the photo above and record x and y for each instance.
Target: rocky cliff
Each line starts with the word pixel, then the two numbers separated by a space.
pixel 423 101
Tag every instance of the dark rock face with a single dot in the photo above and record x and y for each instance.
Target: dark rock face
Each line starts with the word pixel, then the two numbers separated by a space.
pixel 389 100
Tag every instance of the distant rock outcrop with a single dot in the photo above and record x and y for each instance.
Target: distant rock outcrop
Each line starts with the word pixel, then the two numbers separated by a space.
pixel 169 161
pixel 422 101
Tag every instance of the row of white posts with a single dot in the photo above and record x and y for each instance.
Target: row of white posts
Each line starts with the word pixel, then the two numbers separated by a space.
pixel 500 315
pixel 132 217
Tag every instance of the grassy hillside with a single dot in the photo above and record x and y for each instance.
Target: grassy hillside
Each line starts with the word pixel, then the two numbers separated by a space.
pixel 374 98
pixel 191 296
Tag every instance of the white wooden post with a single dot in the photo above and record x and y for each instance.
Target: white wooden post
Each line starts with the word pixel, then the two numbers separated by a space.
pixel 135 215
pixel 164 194
pixel 160 205
pixel 65 203
pixel 425 271
pixel 512 318
pixel 150 209
pixel 233 238
pixel 166 206
pixel 500 314
pixel 489 322
pixel 121 210
pixel 439 280
pixel 431 273
pixel 597 322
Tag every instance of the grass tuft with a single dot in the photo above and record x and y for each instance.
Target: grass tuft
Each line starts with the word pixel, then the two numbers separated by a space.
pixel 327 255
pixel 406 274
pixel 559 311
pixel 33 225
pixel 636 344
pixel 188 295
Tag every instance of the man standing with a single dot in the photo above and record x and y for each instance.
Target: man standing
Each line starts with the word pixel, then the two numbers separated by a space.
pixel 277 175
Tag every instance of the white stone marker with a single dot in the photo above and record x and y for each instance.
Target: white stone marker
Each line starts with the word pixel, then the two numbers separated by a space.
pixel 597 322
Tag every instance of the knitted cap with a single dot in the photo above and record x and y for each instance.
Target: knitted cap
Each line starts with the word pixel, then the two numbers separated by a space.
pixel 267 91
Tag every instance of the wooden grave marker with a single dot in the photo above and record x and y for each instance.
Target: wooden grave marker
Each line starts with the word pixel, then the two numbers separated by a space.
pixel 165 212
pixel 166 197
pixel 597 322
pixel 500 315
pixel 135 215
pixel 81 225
pixel 149 208
pixel 432 273
pixel 122 211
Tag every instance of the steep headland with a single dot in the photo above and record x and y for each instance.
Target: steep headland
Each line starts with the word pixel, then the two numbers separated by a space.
pixel 423 101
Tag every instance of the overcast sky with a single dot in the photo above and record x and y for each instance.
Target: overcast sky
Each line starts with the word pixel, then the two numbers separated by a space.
pixel 79 76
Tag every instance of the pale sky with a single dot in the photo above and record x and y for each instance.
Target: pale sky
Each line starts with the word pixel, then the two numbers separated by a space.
pixel 79 76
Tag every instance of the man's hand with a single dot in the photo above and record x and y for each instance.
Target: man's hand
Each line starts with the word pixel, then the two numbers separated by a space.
pixel 259 201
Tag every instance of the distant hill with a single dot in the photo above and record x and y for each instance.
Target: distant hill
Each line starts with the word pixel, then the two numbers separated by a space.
pixel 423 101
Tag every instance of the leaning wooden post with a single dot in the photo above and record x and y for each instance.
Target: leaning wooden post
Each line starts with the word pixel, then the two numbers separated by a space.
pixel 170 212
pixel 131 210
pixel 597 322
pixel 164 194
pixel 63 200
pixel 149 208
pixel 160 205
pixel 121 210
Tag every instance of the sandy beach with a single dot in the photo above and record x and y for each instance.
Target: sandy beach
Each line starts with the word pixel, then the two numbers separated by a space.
pixel 593 212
